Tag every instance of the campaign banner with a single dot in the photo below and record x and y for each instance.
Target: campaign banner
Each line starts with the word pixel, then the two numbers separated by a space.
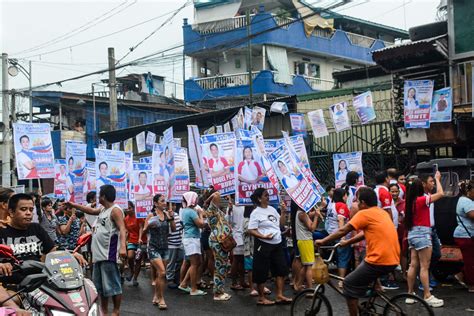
pixel 298 124
pixel 250 172
pixel 141 142
pixel 161 175
pixel 227 128
pixel 345 162
pixel 102 144
pixel 279 107
pixel 238 120
pixel 292 179
pixel 219 129
pixel 116 146
pixel 442 106
pixel 141 192
pixel 219 153
pixel 318 125
pixel 195 153
pixel 247 117
pixel 168 143
pixel 128 168
pixel 364 107
pixel 128 145
pixel 110 168
pixel 181 174
pixel 33 150
pixel 258 117
pixel 75 167
pixel 60 176
pixel 147 159
pixel 418 95
pixel 340 118
pixel 89 178
pixel 150 140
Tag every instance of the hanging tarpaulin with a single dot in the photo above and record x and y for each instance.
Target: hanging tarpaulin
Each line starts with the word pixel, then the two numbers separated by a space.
pixel 418 95
pixel 340 118
pixel 318 125
pixel 141 143
pixel 364 107
pixel 442 106
pixel 217 11
pixel 298 124
pixel 311 20
pixel 195 154
pixel 278 59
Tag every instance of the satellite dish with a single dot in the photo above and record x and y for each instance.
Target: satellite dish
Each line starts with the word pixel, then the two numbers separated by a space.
pixel 13 71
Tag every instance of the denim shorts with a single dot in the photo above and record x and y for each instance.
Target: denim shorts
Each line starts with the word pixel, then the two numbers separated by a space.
pixel 162 254
pixel 106 278
pixel 419 237
pixel 131 246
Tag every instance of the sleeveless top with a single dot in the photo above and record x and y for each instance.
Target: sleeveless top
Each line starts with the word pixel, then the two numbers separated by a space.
pixel 302 233
pixel 105 238
pixel 158 233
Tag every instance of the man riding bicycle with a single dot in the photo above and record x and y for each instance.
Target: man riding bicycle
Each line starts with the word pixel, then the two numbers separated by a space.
pixel 383 251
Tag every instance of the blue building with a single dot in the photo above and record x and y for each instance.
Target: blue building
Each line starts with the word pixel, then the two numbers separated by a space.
pixel 294 49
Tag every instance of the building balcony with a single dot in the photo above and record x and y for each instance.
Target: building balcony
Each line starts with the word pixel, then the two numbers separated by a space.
pixel 237 85
pixel 200 39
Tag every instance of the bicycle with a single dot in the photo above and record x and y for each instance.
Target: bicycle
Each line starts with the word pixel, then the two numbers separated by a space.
pixel 311 302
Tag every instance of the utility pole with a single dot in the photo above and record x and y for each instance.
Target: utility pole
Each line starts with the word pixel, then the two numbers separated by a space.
pixel 6 152
pixel 13 111
pixel 249 57
pixel 30 99
pixel 112 91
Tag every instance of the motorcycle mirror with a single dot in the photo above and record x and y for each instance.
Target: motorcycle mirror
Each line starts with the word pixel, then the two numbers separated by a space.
pixel 7 252
pixel 83 240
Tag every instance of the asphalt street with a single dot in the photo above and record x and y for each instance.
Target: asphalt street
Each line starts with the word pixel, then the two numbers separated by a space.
pixel 137 301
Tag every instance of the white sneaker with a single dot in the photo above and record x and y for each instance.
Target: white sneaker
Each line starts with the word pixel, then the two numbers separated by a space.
pixel 434 302
pixel 410 300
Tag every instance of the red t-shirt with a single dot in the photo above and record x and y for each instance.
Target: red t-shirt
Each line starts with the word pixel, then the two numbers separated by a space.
pixel 384 197
pixel 403 190
pixel 342 210
pixel 421 212
pixel 132 224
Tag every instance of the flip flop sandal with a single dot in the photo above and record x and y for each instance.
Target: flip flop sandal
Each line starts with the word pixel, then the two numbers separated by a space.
pixel 185 289
pixel 283 302
pixel 198 293
pixel 162 306
pixel 237 287
pixel 266 303
pixel 267 291
pixel 254 293
pixel 222 297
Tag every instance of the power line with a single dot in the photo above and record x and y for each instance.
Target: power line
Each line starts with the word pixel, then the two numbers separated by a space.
pixel 78 30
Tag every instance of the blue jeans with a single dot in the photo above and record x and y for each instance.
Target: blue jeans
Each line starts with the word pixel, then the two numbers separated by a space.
pixel 419 237
pixel 106 278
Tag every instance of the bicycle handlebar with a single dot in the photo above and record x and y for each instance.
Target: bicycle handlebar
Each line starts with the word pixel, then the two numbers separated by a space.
pixel 333 250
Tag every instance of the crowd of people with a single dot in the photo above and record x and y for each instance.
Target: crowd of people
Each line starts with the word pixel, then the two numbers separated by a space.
pixel 386 232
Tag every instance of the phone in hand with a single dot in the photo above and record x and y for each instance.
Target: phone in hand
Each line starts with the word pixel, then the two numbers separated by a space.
pixel 435 168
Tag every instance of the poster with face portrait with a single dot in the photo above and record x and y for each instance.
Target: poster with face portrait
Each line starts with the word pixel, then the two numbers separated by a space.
pixel 60 177
pixel 318 125
pixel 345 162
pixel 442 106
pixel 218 152
pixel 181 174
pixel 238 120
pixel 292 179
pixel 141 142
pixel 247 117
pixel 33 150
pixel 258 117
pixel 160 171
pixel 150 140
pixel 364 107
pixel 141 188
pixel 340 118
pixel 89 178
pixel 418 95
pixel 110 168
pixel 298 124
pixel 168 144
pixel 116 146
pixel 147 159
pixel 128 168
pixel 75 167
pixel 128 145
pixel 195 154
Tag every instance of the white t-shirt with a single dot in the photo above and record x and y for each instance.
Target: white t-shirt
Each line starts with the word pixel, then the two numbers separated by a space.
pixel 266 221
pixel 238 224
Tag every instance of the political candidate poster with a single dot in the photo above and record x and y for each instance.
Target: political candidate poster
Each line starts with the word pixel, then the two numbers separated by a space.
pixel 128 145
pixel 442 106
pixel 150 140
pixel 340 118
pixel 345 162
pixel 418 95
pixel 258 117
pixel 318 125
pixel 89 178
pixel 33 150
pixel 219 153
pixel 227 128
pixel 219 129
pixel 298 124
pixel 195 154
pixel 364 107
pixel 168 144
pixel 111 169
pixel 141 188
pixel 147 159
pixel 292 179
pixel 247 117
pixel 116 146
pixel 60 176
pixel 238 120
pixel 75 167
pixel 160 171
pixel 141 142
pixel 181 174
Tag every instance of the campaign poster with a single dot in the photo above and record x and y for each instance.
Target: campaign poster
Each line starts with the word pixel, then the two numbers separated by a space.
pixel 219 153
pixel 168 144
pixel 161 175
pixel 258 117
pixel 128 168
pixel 247 117
pixel 318 125
pixel 177 142
pixel 219 129
pixel 111 169
pixel 181 174
pixel 364 107
pixel 418 95
pixel 238 120
pixel 345 162
pixel 292 179
pixel 227 128
pixel 339 116
pixel 298 124
pixel 147 159
pixel 89 178
pixel 442 106
pixel 116 146
pixel 150 140
pixel 128 145
pixel 102 144
pixel 60 176
pixel 75 167
pixel 141 192
pixel 33 150
pixel 210 130
pixel 250 172
pixel 141 142
pixel 195 154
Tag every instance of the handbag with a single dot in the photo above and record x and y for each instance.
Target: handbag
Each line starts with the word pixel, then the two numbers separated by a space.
pixel 227 242
pixel 462 223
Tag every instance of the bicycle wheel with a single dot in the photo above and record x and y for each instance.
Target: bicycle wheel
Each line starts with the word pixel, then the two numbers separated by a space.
pixel 306 303
pixel 416 307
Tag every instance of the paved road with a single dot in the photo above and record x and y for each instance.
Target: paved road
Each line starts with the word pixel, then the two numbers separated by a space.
pixel 137 301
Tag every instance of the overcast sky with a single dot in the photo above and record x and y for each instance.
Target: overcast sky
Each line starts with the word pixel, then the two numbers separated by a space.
pixel 28 24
